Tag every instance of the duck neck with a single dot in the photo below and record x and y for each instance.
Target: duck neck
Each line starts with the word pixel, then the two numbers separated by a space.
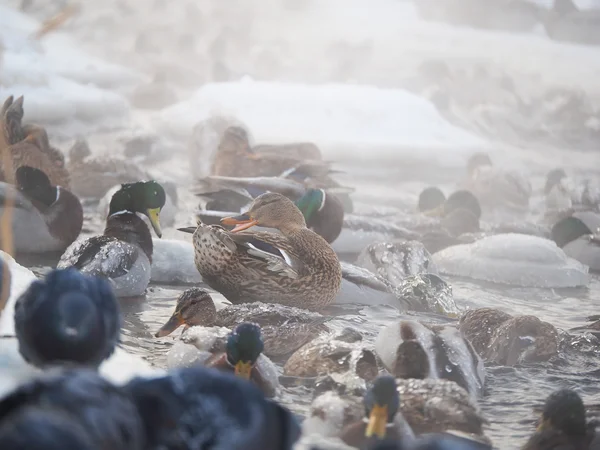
pixel 64 216
pixel 128 227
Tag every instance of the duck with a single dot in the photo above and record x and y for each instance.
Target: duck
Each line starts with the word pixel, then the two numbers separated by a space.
pixel 307 274
pixel 68 317
pixel 123 253
pixel 383 419
pixel 71 404
pixel 46 218
pixel 240 416
pixel 235 157
pixel 93 176
pixel 119 368
pixel 565 22
pixel 509 340
pixel 323 212
pixel 430 199
pixel 426 405
pixel 284 329
pixel 564 195
pixel 410 349
pixel 563 424
pixel 579 237
pixel 28 145
pixel 494 188
pixel 341 352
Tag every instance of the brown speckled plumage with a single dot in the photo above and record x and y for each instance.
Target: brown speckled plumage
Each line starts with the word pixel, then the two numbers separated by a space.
pixel 504 339
pixel 230 263
pixel 29 145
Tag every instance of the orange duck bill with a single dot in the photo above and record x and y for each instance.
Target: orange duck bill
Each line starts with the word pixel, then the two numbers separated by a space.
pixel 241 222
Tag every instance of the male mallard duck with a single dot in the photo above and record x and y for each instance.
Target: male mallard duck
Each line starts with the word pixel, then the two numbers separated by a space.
pixel 579 237
pixel 307 273
pixel 496 188
pixel 565 22
pixel 67 317
pixel 46 218
pixel 563 424
pixel 409 349
pixel 92 177
pixel 427 406
pixel 236 158
pixel 28 145
pixel 94 410
pixel 284 328
pixel 244 346
pixel 503 339
pixel 212 410
pixel 382 404
pixel 430 198
pixel 123 254
pixel 323 212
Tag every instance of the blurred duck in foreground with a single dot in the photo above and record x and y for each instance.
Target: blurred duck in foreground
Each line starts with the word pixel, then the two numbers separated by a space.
pixel 46 218
pixel 123 254
pixel 203 408
pixel 284 328
pixel 67 318
pixel 74 409
pixel 563 424
pixel 294 268
pixel 28 145
pixel 565 22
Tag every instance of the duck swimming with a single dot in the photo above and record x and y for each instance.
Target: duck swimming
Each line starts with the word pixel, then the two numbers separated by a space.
pixel 67 318
pixel 46 218
pixel 203 408
pixel 307 273
pixel 123 254
pixel 284 329
pixel 563 424
pixel 96 412
pixel 382 404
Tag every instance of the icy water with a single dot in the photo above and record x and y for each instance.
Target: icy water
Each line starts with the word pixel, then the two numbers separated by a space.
pixel 390 142
pixel 511 394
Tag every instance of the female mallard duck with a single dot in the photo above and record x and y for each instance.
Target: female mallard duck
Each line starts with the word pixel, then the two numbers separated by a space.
pixel 28 145
pixel 323 212
pixel 284 328
pixel 496 188
pixel 46 218
pixel 383 419
pixel 236 158
pixel 200 408
pixel 334 353
pixel 123 254
pixel 503 339
pixel 563 424
pixel 72 405
pixel 68 317
pixel 92 177
pixel 307 273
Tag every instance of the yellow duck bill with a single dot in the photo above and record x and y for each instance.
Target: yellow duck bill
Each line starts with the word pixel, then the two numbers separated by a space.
pixel 377 422
pixel 243 369
pixel 154 216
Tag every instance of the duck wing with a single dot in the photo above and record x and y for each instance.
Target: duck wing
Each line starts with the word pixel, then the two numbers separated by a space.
pixel 363 277
pixel 103 256
pixel 271 250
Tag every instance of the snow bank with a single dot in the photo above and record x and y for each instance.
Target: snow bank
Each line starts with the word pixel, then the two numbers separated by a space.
pixel 393 120
pixel 61 84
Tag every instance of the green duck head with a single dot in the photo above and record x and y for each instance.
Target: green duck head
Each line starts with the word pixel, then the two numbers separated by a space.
pixel 244 346
pixel 144 197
